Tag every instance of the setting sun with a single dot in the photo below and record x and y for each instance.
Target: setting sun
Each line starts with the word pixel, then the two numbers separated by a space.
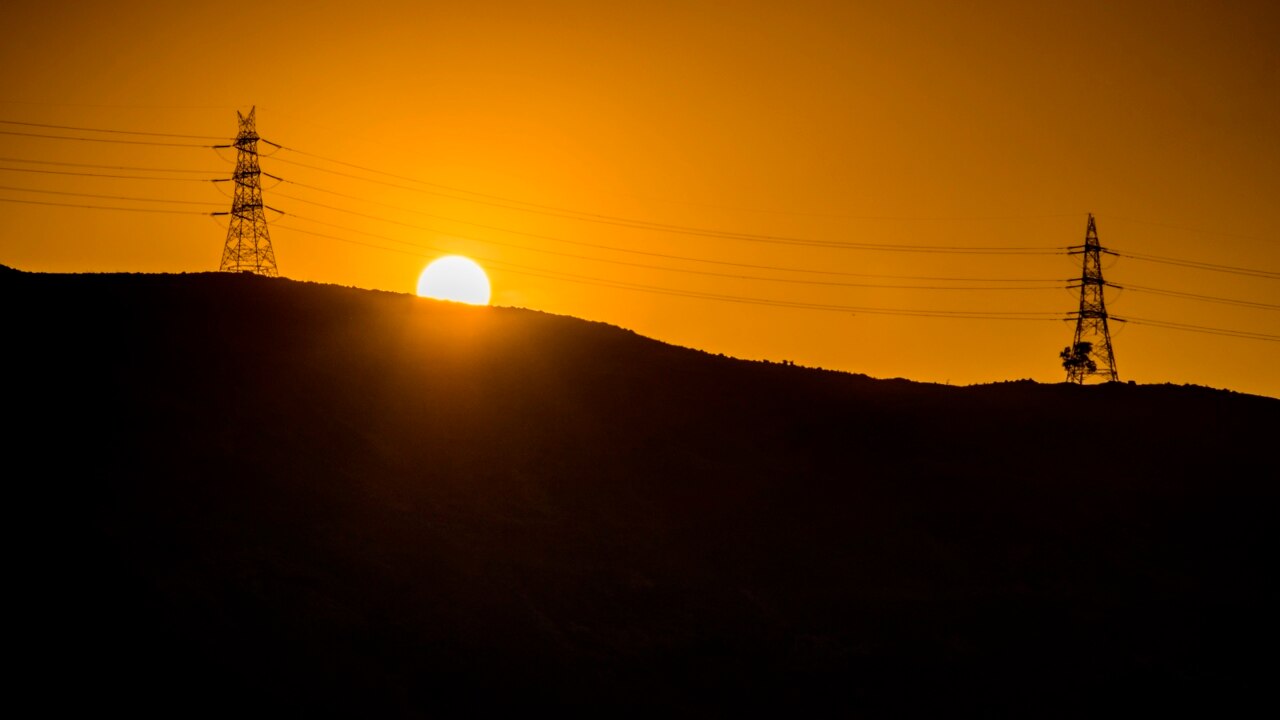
pixel 456 278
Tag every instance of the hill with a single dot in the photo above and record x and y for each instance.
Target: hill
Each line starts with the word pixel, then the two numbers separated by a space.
pixel 234 494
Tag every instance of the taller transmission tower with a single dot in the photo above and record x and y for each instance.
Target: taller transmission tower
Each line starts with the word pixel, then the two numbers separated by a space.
pixel 1090 354
pixel 248 247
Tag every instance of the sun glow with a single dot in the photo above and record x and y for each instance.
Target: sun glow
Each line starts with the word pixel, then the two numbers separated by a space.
pixel 455 278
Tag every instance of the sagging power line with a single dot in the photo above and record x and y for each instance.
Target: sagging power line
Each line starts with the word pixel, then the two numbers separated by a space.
pixel 597 217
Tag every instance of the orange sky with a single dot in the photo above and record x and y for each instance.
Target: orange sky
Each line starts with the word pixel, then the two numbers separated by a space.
pixel 941 124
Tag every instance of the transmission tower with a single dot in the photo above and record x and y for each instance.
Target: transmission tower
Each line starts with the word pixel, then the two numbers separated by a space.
pixel 1090 354
pixel 248 247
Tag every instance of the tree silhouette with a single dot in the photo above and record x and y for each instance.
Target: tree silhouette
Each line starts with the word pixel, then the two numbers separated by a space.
pixel 1076 360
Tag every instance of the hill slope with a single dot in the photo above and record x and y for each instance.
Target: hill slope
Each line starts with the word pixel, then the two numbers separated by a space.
pixel 237 493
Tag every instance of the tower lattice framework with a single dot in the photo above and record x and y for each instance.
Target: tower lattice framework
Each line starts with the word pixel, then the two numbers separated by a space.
pixel 248 246
pixel 1090 355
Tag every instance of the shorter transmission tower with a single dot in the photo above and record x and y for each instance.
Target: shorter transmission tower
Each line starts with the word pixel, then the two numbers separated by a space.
pixel 1090 354
pixel 248 246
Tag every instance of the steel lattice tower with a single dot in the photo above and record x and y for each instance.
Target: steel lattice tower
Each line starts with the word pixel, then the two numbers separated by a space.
pixel 248 247
pixel 1090 354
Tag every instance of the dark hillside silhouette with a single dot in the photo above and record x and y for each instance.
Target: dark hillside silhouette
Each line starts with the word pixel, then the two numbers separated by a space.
pixel 235 494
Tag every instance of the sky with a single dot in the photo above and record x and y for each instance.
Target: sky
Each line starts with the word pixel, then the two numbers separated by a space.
pixel 882 188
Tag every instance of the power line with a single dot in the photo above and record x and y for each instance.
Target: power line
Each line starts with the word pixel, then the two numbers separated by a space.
pixel 1244 334
pixel 667 200
pixel 634 264
pixel 103 207
pixel 1137 288
pixel 1230 269
pixel 515 204
pixel 861 218
pixel 614 219
pixel 664 268
pixel 557 275
pixel 496 262
pixel 40 103
pixel 107 197
pixel 1130 286
pixel 776 240
pixel 520 205
pixel 949 315
pixel 689 271
pixel 586 280
pixel 561 276
pixel 102 130
pixel 596 217
pixel 102 140
pixel 697 232
pixel 1199 231
pixel 615 248
pixel 1202 298
pixel 102 175
pixel 107 167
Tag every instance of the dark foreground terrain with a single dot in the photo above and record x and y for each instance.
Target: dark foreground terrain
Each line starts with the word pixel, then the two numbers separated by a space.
pixel 231 495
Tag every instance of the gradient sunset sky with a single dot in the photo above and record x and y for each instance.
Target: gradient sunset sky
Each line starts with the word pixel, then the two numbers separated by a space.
pixel 712 174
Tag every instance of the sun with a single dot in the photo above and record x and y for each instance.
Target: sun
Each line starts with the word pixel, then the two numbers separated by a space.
pixel 456 278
